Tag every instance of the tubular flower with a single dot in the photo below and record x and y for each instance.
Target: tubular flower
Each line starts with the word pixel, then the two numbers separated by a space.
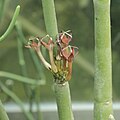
pixel 60 64
pixel 33 43
pixel 68 54
pixel 64 38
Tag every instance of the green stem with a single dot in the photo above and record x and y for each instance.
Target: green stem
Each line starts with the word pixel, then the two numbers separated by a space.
pixel 50 18
pixel 21 58
pixel 23 65
pixel 103 68
pixel 27 88
pixel 20 78
pixel 9 29
pixel 17 100
pixel 3 115
pixel 62 92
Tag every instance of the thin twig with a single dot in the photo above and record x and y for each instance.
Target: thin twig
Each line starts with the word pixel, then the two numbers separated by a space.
pixel 9 29
pixel 20 78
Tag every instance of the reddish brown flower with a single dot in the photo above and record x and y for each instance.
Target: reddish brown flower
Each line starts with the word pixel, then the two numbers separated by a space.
pixel 69 52
pixel 64 38
pixel 60 63
pixel 49 45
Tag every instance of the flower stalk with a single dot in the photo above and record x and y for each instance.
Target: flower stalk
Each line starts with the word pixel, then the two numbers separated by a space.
pixel 35 44
pixel 46 64
pixel 50 46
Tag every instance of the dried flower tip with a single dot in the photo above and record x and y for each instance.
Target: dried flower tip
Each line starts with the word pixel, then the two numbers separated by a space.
pixel 32 43
pixel 64 38
pixel 44 37
pixel 49 45
pixel 68 33
pixel 69 52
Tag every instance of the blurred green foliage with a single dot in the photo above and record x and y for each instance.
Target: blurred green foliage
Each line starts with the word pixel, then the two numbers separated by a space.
pixel 76 15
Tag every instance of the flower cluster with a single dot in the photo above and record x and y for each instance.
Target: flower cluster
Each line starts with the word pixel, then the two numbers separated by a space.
pixel 60 63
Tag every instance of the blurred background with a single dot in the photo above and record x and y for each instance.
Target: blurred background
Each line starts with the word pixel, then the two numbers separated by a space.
pixel 74 15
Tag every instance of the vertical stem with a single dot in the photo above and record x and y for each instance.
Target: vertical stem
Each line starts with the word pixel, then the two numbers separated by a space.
pixel 62 92
pixel 3 115
pixel 50 18
pixel 21 58
pixel 63 100
pixel 24 71
pixel 103 69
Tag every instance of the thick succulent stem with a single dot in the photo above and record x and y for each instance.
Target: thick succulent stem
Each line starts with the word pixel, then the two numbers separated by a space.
pixel 103 68
pixel 50 18
pixel 63 100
